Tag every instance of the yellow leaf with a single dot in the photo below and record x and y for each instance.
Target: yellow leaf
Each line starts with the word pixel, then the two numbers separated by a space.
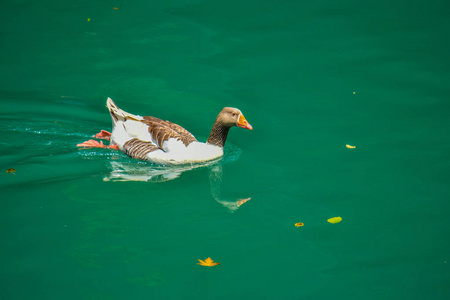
pixel 334 220
pixel 89 19
pixel 350 147
pixel 207 262
pixel 10 170
pixel 299 224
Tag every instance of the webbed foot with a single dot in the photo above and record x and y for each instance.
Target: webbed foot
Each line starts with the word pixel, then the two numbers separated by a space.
pixel 95 144
pixel 103 135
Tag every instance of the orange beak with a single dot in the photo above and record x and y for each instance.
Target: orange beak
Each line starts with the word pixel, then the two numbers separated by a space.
pixel 243 123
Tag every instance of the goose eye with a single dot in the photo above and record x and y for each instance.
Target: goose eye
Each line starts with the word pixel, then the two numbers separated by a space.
pixel 233 114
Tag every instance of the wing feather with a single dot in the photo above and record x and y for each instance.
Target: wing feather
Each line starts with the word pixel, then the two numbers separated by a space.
pixel 139 149
pixel 164 130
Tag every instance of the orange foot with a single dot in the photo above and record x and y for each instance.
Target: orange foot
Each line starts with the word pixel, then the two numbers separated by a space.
pixel 103 135
pixel 95 144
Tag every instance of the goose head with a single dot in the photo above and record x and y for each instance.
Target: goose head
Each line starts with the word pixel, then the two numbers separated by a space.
pixel 227 118
pixel 230 116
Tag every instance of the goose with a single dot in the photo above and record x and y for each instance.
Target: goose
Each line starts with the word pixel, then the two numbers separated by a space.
pixel 163 142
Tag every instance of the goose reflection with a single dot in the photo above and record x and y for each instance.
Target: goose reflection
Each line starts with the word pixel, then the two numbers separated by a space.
pixel 132 171
pixel 142 171
pixel 215 180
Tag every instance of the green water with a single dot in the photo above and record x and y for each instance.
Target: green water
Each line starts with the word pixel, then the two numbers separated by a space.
pixel 310 76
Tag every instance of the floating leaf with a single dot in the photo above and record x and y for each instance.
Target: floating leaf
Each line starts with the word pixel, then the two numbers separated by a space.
pixel 207 262
pixel 299 224
pixel 115 8
pixel 334 220
pixel 10 170
pixel 350 147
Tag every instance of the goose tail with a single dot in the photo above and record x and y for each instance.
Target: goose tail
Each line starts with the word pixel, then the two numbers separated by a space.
pixel 118 114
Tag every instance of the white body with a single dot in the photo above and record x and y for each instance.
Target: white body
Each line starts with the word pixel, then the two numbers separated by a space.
pixel 173 151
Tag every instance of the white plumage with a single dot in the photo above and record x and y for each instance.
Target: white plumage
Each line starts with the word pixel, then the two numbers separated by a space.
pixel 164 142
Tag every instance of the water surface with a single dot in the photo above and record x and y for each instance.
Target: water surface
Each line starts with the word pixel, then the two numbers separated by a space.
pixel 309 77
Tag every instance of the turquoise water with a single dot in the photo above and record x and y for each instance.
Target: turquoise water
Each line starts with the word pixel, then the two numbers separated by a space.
pixel 310 77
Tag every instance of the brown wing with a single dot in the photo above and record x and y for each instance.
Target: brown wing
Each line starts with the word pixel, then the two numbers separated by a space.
pixel 139 149
pixel 164 130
